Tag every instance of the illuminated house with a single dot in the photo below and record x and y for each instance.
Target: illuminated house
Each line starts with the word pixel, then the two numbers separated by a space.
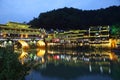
pixel 19 30
pixel 74 35
pixel 99 34
pixel 95 35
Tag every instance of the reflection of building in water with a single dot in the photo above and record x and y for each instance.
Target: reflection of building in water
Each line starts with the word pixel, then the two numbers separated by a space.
pixel 94 55
pixel 81 56
pixel 24 50
pixel 36 55
pixel 23 56
pixel 94 63
pixel 99 61
pixel 113 56
pixel 41 53
pixel 28 53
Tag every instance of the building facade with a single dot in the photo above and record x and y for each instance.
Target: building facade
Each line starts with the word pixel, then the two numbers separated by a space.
pixel 20 31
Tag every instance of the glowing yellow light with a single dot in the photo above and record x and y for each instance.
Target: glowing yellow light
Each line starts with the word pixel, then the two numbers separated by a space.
pixel 112 43
pixel 26 36
pixel 21 36
pixel 43 60
pixel 40 44
pixel 4 35
pixel 24 44
pixel 23 55
pixel 40 52
pixel 113 56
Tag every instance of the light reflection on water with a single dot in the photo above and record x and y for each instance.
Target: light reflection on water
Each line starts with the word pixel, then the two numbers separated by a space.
pixel 72 64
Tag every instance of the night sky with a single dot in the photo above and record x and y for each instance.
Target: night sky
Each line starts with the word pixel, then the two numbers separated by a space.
pixel 25 10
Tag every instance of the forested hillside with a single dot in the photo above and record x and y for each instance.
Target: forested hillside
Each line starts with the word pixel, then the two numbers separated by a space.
pixel 71 18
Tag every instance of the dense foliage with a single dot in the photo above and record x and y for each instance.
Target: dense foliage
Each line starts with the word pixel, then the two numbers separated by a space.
pixel 71 18
pixel 10 67
pixel 115 31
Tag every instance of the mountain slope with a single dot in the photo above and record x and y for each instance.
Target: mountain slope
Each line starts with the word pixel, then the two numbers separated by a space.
pixel 71 18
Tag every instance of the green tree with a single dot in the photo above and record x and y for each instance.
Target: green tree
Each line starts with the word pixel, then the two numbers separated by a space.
pixel 10 67
pixel 115 31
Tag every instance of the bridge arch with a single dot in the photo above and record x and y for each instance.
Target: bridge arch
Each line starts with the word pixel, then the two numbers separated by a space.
pixel 41 49
pixel 24 45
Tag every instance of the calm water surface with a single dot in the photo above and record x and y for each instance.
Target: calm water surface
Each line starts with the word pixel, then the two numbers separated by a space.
pixel 74 64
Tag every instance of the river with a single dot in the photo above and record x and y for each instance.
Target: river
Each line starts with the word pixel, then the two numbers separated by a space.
pixel 75 64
